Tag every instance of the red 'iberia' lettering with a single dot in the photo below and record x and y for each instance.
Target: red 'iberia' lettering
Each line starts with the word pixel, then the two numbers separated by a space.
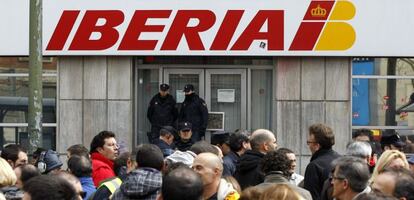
pixel 271 20
pixel 137 26
pixel 109 35
pixel 180 28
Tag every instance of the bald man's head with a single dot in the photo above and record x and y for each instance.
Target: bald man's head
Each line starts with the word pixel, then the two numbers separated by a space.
pixel 263 140
pixel 209 167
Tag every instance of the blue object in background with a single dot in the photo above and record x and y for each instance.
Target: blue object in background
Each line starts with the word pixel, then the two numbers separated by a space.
pixel 360 92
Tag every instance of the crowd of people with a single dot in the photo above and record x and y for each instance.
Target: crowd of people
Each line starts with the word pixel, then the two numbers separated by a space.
pixel 240 165
pixel 178 164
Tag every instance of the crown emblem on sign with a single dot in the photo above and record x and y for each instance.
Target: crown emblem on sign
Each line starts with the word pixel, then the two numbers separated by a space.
pixel 318 11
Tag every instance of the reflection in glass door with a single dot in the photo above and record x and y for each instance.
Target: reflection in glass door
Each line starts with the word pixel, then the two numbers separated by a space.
pixel 226 92
pixel 223 90
pixel 178 78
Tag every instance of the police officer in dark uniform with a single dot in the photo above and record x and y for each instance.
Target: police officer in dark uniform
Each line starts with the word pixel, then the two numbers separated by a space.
pixel 161 112
pixel 194 110
pixel 184 143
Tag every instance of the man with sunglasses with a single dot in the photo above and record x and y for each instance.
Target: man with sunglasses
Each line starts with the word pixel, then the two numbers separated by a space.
pixel 185 133
pixel 320 142
pixel 350 178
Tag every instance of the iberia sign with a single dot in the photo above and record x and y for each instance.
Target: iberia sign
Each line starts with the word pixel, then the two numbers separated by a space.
pixel 217 27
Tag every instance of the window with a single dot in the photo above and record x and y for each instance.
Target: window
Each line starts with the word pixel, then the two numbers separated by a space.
pixel 14 92
pixel 381 88
pixel 147 87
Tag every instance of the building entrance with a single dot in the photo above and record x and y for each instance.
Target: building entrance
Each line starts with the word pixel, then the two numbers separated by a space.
pixel 224 90
pixel 244 94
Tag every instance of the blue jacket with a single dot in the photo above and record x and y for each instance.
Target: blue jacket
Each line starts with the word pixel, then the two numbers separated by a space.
pixel 165 148
pixel 87 186
pixel 230 162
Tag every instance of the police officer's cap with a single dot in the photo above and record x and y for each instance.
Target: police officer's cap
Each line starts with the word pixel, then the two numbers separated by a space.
pixel 184 126
pixel 392 138
pixel 188 88
pixel 164 87
pixel 167 130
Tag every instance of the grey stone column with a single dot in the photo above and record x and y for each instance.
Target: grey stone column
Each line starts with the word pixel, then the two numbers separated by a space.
pixel 94 94
pixel 312 90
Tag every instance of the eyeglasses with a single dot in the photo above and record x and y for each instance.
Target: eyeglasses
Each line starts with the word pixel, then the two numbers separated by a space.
pixel 333 177
pixel 185 130
pixel 311 142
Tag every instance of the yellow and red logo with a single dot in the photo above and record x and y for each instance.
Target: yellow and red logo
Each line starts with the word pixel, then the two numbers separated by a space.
pixel 324 27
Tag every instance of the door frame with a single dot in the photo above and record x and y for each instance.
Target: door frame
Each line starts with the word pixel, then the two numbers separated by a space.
pixel 200 72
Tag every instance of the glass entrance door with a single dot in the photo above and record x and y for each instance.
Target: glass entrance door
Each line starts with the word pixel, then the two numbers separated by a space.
pixel 178 78
pixel 224 90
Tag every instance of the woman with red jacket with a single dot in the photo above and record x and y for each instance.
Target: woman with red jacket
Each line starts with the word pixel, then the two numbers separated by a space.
pixel 104 150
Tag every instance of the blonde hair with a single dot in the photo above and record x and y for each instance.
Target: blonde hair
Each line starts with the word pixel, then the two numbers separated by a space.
pixel 234 183
pixel 384 161
pixel 251 193
pixel 7 175
pixel 280 192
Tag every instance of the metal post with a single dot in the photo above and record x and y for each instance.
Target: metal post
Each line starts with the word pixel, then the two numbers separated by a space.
pixel 35 75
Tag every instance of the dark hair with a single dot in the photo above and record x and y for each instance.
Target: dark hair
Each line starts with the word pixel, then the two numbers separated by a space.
pixel 99 140
pixel 11 152
pixel 404 187
pixel 362 132
pixel 80 166
pixel 167 130
pixel 374 196
pixel 277 161
pixel 203 147
pixel 236 141
pixel 285 150
pixel 120 163
pixel 182 183
pixel 28 172
pixel 323 135
pixel 37 153
pixel 149 155
pixel 78 149
pixel 220 138
pixel 48 187
pixel 353 169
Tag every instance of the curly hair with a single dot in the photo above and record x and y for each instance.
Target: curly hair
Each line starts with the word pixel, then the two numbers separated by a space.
pixel 277 161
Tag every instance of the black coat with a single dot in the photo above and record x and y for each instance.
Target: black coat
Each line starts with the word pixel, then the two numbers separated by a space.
pixel 248 171
pixel 194 110
pixel 162 111
pixel 183 146
pixel 318 171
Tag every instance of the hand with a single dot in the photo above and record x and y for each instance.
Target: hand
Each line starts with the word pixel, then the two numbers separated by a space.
pixel 407 140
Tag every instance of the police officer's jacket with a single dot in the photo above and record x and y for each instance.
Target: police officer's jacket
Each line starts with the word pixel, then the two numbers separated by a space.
pixel 194 110
pixel 162 111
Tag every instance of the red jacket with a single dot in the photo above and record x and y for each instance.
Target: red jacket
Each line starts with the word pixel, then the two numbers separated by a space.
pixel 102 168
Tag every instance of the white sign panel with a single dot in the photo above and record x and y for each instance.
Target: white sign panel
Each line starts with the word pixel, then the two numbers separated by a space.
pixel 180 96
pixel 214 27
pixel 226 95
